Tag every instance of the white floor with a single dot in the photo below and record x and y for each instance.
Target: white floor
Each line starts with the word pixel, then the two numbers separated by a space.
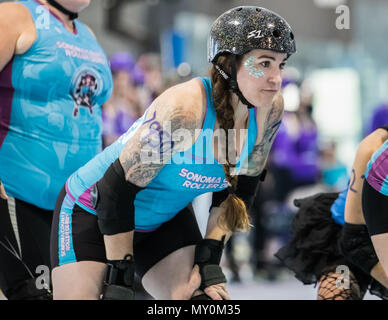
pixel 290 289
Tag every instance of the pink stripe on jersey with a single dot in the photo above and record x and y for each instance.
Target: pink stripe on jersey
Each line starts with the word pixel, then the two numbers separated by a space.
pixel 379 171
pixel 85 199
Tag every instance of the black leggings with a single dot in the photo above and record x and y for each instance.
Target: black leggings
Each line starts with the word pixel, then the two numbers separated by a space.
pixel 149 247
pixel 24 242
pixel 375 208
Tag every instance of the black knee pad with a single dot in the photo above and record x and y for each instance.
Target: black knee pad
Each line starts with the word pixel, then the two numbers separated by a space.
pixel 119 279
pixel 356 246
pixel 27 290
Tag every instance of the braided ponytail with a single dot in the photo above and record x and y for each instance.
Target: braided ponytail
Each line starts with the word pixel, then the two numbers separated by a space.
pixel 236 217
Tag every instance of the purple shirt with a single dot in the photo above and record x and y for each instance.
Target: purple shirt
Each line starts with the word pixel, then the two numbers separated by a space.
pixel 298 153
pixel 379 118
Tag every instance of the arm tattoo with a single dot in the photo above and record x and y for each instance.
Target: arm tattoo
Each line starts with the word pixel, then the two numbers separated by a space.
pixel 259 154
pixel 158 139
pixel 155 137
pixel 352 181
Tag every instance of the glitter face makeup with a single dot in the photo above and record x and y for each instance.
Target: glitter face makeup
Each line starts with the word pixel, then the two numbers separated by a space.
pixel 253 70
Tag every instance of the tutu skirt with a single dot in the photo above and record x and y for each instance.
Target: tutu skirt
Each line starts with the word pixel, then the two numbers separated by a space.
pixel 313 248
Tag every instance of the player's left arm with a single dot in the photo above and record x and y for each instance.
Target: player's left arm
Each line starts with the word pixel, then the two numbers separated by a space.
pixel 268 123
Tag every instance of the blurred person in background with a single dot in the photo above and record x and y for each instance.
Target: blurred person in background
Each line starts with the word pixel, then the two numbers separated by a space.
pixel 294 157
pixel 124 106
pixel 330 243
pixel 54 77
pixel 150 64
pixel 379 116
pixel 334 175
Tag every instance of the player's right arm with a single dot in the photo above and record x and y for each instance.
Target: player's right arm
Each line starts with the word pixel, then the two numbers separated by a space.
pixel 170 127
pixel 17 31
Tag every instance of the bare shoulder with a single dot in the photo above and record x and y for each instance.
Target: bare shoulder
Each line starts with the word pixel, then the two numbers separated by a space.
pixel 14 13
pixel 16 19
pixel 183 100
pixel 381 134
pixel 373 141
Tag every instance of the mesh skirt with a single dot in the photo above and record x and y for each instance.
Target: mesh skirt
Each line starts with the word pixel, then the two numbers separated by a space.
pixel 313 249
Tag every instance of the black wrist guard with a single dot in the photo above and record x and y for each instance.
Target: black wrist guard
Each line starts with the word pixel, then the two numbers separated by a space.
pixel 247 187
pixel 119 279
pixel 356 246
pixel 113 198
pixel 202 296
pixel 208 253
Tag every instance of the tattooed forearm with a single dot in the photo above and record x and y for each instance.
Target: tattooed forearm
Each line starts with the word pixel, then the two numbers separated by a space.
pixel 353 181
pixel 153 145
pixel 259 154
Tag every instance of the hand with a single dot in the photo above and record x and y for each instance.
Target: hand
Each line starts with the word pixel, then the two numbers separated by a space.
pixel 3 194
pixel 194 282
pixel 215 292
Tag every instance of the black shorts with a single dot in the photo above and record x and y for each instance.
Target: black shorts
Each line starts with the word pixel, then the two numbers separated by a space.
pixel 24 241
pixel 78 238
pixel 374 206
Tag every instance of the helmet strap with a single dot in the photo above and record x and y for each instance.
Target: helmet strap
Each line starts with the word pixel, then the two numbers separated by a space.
pixel 232 82
pixel 70 14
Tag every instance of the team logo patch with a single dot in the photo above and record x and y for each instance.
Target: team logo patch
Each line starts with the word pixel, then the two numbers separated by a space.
pixel 86 86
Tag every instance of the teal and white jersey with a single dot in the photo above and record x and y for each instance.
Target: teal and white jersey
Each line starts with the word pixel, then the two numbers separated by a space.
pixel 188 175
pixel 50 108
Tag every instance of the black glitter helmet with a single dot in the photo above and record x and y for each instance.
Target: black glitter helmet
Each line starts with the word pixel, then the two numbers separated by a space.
pixel 245 28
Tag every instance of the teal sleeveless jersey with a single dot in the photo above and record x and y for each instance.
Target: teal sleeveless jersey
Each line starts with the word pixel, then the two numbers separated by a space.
pixel 50 108
pixel 188 175
pixel 377 169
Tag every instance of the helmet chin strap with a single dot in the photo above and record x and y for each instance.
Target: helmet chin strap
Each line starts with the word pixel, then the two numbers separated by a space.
pixel 232 82
pixel 70 14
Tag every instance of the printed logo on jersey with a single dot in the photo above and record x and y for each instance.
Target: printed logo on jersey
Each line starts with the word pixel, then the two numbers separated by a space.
pixel 194 180
pixel 86 86
pixel 65 229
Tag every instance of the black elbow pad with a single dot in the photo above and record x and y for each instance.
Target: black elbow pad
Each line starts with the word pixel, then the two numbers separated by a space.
pixel 113 198
pixel 247 187
pixel 246 190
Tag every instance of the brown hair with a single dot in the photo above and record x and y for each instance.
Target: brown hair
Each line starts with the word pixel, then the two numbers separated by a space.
pixel 236 217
